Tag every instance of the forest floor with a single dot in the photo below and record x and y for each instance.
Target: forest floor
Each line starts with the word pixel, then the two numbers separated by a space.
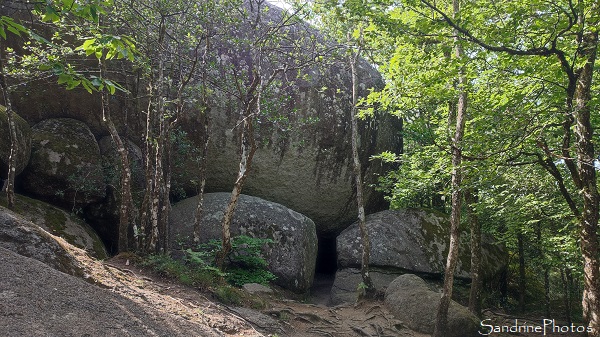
pixel 280 316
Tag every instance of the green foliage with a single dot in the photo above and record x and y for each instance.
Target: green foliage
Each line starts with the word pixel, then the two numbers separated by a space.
pixel 187 273
pixel 71 21
pixel 517 116
pixel 195 272
pixel 245 261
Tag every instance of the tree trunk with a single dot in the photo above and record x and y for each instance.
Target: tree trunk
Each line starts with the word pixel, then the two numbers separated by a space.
pixel 369 289
pixel 202 168
pixel 202 176
pixel 165 188
pixel 156 193
pixel 564 275
pixel 589 190
pixel 547 290
pixel 14 145
pixel 461 108
pixel 126 199
pixel 522 277
pixel 248 148
pixel 148 169
pixel 475 292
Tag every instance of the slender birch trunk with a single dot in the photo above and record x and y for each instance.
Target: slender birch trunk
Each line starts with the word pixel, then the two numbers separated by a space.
pixel 475 226
pixel 442 313
pixel 248 148
pixel 369 288
pixel 125 180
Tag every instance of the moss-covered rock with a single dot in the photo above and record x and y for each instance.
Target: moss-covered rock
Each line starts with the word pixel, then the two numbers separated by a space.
pixel 28 239
pixel 23 139
pixel 304 160
pixel 60 223
pixel 65 166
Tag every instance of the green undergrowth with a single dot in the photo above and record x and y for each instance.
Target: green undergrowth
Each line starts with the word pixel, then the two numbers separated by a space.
pixel 196 269
pixel 202 279
pixel 245 262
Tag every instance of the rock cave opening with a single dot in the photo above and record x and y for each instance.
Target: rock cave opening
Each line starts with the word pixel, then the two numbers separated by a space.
pixel 325 269
pixel 326 256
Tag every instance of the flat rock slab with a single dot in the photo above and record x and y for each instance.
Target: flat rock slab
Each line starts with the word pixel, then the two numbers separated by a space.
pixel 60 223
pixel 36 300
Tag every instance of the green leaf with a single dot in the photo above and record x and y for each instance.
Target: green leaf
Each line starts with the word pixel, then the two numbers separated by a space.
pixel 87 86
pixel 64 78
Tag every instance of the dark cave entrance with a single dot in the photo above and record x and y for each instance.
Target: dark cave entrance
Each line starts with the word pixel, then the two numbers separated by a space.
pixel 325 269
pixel 326 256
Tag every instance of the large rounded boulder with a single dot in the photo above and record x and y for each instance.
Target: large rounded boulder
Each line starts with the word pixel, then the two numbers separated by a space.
pixel 416 241
pixel 304 156
pixel 407 241
pixel 410 300
pixel 291 257
pixel 23 139
pixel 65 166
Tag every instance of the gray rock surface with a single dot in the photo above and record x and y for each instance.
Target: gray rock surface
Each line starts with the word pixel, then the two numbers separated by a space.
pixel 410 300
pixel 65 166
pixel 345 285
pixel 25 238
pixel 23 140
pixel 255 288
pixel 40 301
pixel 406 241
pixel 304 156
pixel 60 223
pixel 291 258
pixel 415 241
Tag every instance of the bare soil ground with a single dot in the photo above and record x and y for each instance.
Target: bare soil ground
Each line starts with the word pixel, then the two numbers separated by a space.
pixel 281 317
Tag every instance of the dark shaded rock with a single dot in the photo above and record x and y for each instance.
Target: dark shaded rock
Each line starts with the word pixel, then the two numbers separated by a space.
pixel 26 238
pixel 40 301
pixel 23 140
pixel 111 163
pixel 304 159
pixel 415 241
pixel 65 164
pixel 410 300
pixel 291 258
pixel 104 215
pixel 60 223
